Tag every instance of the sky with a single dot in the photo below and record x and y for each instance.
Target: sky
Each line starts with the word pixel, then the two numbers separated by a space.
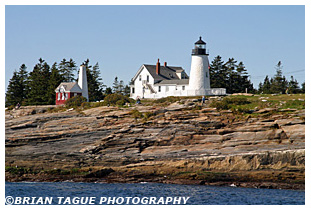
pixel 122 38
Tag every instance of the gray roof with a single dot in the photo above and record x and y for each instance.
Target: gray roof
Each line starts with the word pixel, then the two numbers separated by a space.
pixel 69 85
pixel 174 82
pixel 166 73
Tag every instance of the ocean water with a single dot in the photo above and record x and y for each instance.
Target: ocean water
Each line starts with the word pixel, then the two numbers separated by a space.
pixel 122 193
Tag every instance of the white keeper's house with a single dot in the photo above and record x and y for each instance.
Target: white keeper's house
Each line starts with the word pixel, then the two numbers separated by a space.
pixel 156 81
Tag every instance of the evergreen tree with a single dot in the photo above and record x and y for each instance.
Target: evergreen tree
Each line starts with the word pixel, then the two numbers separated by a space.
pixel 62 67
pixel 266 87
pixel 18 87
pixel 243 82
pixel 230 75
pixel 293 86
pixel 232 78
pixel 108 91
pixel 115 86
pixel 279 82
pixel 24 81
pixel 121 87
pixel 67 69
pixel 303 87
pixel 12 96
pixel 55 79
pixel 217 75
pixel 72 68
pixel 39 84
pixel 127 90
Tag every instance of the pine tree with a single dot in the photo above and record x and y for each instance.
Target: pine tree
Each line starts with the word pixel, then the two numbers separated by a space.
pixel 18 87
pixel 115 85
pixel 13 95
pixel 217 77
pixel 266 87
pixel 232 77
pixel 260 88
pixel 127 90
pixel 293 86
pixel 279 82
pixel 72 68
pixel 67 69
pixel 24 81
pixel 55 79
pixel 62 67
pixel 302 87
pixel 39 84
pixel 121 87
pixel 97 85
pixel 243 82
pixel 108 91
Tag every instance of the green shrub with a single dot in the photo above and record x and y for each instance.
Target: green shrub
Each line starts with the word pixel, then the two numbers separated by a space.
pixel 11 107
pixel 18 170
pixel 75 101
pixel 117 99
pixel 147 115
pixel 294 104
pixel 169 99
pixel 229 102
pixel 136 114
pixel 235 101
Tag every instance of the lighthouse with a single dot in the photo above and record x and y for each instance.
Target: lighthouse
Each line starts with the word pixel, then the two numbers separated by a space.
pixel 82 82
pixel 199 82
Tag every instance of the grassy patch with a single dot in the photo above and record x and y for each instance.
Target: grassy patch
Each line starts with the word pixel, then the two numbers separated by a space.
pixel 72 171
pixel 247 104
pixel 19 170
pixel 169 99
pixel 136 114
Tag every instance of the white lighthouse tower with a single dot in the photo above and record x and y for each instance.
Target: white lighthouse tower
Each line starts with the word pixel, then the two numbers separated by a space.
pixel 82 82
pixel 199 82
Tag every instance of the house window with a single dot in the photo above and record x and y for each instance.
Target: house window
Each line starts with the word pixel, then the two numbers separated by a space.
pixel 58 96
pixel 139 77
pixel 133 90
pixel 159 88
pixel 147 78
pixel 75 94
pixel 63 96
pixel 66 96
pixel 183 87
pixel 175 87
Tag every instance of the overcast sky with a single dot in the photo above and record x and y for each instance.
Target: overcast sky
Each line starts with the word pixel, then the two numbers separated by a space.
pixel 122 38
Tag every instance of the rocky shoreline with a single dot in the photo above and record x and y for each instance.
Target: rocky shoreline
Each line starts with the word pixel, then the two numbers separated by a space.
pixel 182 143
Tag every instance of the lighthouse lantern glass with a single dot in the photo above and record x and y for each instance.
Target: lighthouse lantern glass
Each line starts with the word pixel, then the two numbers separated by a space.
pixel 200 46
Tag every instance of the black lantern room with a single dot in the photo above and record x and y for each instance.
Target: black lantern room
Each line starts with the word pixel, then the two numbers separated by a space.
pixel 199 48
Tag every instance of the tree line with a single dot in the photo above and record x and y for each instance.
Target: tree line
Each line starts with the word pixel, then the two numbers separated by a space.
pixel 279 84
pixel 231 75
pixel 38 86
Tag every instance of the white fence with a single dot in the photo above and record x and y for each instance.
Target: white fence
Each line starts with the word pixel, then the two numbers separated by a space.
pixel 207 92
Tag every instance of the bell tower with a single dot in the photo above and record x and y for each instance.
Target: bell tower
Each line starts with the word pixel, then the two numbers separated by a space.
pixel 199 81
pixel 82 82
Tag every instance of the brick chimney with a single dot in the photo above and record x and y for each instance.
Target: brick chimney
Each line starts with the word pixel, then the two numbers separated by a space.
pixel 165 64
pixel 158 67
